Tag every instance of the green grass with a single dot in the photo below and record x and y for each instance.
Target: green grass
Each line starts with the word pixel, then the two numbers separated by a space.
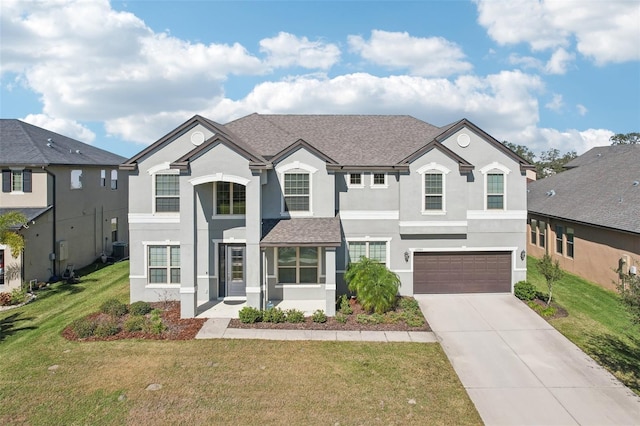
pixel 210 381
pixel 597 323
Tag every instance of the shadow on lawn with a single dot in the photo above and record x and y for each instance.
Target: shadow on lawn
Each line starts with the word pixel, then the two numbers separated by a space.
pixel 622 357
pixel 9 325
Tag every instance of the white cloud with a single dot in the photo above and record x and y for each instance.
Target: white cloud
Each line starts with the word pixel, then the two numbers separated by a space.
pixel 556 103
pixel 606 31
pixel 69 128
pixel 433 56
pixel 287 50
pixel 542 139
pixel 559 62
pixel 582 110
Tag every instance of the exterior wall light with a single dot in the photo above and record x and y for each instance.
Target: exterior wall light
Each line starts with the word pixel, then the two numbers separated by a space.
pixel 406 256
pixel 523 254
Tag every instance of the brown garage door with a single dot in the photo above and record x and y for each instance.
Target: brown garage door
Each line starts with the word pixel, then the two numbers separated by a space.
pixel 462 272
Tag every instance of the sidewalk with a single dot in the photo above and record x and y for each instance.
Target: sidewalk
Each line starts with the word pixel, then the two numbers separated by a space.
pixel 217 328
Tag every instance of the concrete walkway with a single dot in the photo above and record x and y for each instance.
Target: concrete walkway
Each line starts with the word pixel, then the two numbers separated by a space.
pixel 518 370
pixel 217 328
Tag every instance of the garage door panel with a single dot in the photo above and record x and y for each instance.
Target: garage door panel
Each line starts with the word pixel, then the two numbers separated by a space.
pixel 463 272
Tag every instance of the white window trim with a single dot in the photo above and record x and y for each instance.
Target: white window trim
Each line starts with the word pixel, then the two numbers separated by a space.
pixel 114 178
pixel 103 178
pixel 80 179
pixel 358 186
pixel 161 169
pixel 297 284
pixel 422 171
pixel 16 169
pixel 293 167
pixel 368 239
pixel 379 186
pixel 486 170
pixel 145 275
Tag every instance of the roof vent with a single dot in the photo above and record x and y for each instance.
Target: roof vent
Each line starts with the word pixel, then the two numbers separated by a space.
pixel 551 193
pixel 635 183
pixel 77 151
pixel 49 142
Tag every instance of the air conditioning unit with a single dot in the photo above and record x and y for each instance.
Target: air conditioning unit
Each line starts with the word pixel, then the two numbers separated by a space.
pixel 633 270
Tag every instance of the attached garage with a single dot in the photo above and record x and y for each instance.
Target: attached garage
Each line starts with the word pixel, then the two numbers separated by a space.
pixel 462 272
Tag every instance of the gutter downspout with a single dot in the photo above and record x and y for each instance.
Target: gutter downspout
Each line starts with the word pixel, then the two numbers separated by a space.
pixel 53 233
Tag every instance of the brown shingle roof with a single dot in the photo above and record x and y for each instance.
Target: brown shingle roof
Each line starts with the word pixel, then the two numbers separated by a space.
pixel 313 231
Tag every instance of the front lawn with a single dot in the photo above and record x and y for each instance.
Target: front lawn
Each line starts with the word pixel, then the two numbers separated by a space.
pixel 46 379
pixel 597 323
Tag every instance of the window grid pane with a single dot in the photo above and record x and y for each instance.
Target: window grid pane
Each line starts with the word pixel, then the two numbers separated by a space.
pixel 559 233
pixel 378 179
pixel 534 228
pixel 16 180
pixel 286 256
pixel 175 275
pixel 355 179
pixel 542 227
pixel 308 275
pixel 495 202
pixel 239 199
pixel 378 251
pixel 157 276
pixel 570 245
pixel 223 198
pixel 356 251
pixel 157 256
pixel 167 185
pixel 167 204
pixel 296 184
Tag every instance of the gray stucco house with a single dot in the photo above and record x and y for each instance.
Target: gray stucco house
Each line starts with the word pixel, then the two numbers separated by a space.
pixel 72 194
pixel 275 207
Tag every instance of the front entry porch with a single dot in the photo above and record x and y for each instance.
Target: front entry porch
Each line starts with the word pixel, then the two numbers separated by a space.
pixel 231 308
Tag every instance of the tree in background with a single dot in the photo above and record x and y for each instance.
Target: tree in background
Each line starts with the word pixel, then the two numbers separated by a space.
pixel 551 272
pixel 625 139
pixel 8 222
pixel 550 162
pixel 521 150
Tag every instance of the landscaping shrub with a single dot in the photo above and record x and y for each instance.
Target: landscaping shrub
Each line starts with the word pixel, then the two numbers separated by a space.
pixel 375 285
pixel 275 315
pixel 414 320
pixel 370 319
pixel 139 308
pixel 135 323
pixel 524 290
pixel 341 318
pixel 18 296
pixel 393 317
pixel 107 328
pixel 249 315
pixel 295 316
pixel 5 299
pixel 83 327
pixel 155 324
pixel 409 304
pixel 319 316
pixel 544 311
pixel 114 308
pixel 344 306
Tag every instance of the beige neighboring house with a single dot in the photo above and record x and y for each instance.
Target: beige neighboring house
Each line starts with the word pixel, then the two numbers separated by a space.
pixel 73 196
pixel 588 217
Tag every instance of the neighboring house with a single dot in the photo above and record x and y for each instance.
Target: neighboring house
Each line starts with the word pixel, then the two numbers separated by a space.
pixel 275 207
pixel 74 198
pixel 588 217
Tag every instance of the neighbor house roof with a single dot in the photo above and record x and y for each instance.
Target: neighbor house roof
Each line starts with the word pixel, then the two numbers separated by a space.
pixel 316 231
pixel 601 188
pixel 28 145
pixel 31 213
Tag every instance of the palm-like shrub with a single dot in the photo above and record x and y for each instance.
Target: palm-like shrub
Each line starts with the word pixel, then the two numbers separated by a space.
pixel 375 286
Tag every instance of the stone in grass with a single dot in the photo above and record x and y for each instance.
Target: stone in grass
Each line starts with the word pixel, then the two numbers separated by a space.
pixel 53 368
pixel 412 401
pixel 122 397
pixel 154 387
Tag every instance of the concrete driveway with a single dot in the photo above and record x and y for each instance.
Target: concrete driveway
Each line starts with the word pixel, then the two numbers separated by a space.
pixel 518 370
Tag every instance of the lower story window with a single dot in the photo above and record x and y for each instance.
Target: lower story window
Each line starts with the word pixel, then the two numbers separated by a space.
pixel 534 231
pixel 570 247
pixel 374 250
pixel 164 264
pixel 542 233
pixel 298 265
pixel 559 239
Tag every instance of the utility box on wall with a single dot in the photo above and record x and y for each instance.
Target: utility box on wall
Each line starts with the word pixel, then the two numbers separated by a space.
pixel 63 251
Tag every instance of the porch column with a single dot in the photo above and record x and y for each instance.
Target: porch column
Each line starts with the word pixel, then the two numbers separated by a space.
pixel 253 234
pixel 330 277
pixel 188 254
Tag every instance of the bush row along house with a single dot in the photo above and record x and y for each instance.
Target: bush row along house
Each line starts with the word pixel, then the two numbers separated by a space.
pixel 275 207
pixel 588 217
pixel 73 196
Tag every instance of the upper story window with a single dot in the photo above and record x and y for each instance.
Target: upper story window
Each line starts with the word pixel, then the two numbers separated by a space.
pixel 114 179
pixel 230 198
pixel 378 180
pixel 296 192
pixel 495 178
pixel 542 233
pixel 433 188
pixel 570 234
pixel 76 179
pixel 16 181
pixel 167 193
pixel 354 180
pixel 533 224
pixel 103 178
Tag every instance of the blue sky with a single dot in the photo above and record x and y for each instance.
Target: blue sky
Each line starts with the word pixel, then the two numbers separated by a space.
pixel 120 74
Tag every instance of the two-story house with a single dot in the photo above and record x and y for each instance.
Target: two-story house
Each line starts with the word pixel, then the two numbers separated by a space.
pixel 72 194
pixel 275 207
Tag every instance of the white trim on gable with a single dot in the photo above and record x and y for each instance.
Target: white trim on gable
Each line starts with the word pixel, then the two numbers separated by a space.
pixel 485 172
pixel 295 165
pixel 423 171
pixel 291 167
pixel 495 166
pixel 161 167
pixel 433 166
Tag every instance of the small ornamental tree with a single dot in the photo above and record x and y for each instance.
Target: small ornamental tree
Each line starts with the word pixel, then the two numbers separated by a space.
pixel 8 223
pixel 629 288
pixel 375 286
pixel 551 272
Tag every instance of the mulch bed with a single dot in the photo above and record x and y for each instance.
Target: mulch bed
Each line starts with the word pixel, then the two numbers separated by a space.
pixel 177 328
pixel 560 311
pixel 351 325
